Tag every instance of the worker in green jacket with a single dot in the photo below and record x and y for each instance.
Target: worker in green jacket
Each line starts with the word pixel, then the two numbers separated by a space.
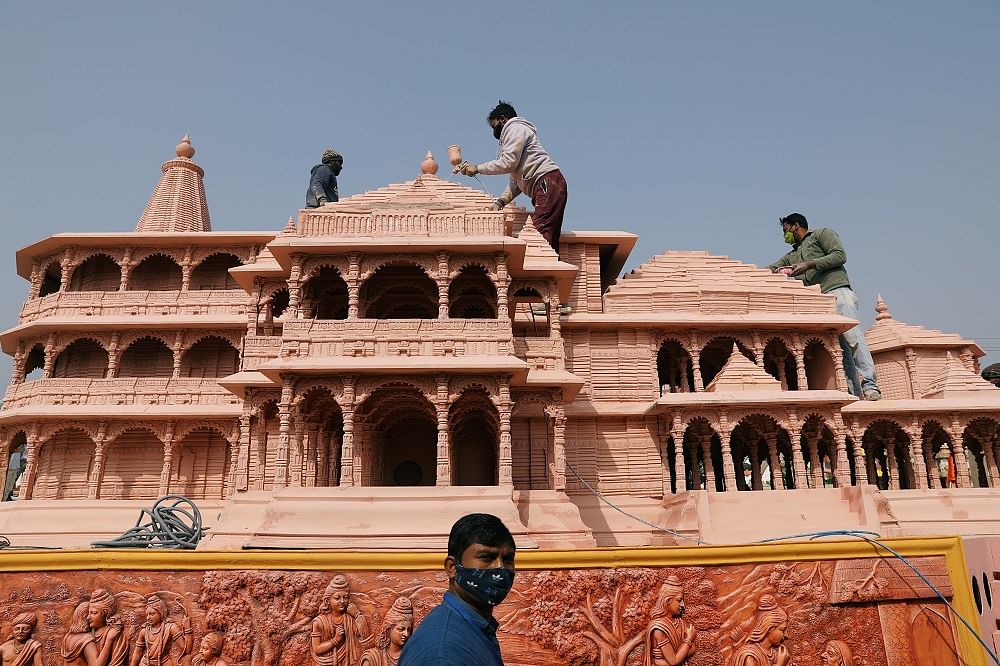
pixel 818 257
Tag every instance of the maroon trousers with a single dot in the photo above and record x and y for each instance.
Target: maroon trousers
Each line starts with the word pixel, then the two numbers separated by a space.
pixel 549 200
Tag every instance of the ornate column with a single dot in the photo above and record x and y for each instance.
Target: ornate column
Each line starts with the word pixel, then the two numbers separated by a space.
pixel 296 467
pixel 503 283
pixel 294 286
pixel 186 267
pixel 347 444
pixel 126 266
pixel 870 464
pixel 50 356
pixel 911 370
pixel 176 350
pixel 31 467
pixel 989 443
pixel 728 468
pixel 706 452
pixel 20 358
pixel 838 365
pixel 168 460
pixel 798 353
pixel 284 433
pixel 781 371
pixel 860 465
pixel 917 454
pixel 890 449
pixel 758 350
pixel 443 447
pixel 962 475
pixel 353 279
pixel 695 352
pixel 557 473
pixel 241 473
pixel 65 269
pixel 312 450
pixel 443 280
pixel 35 287
pixel 795 439
pixel 756 483
pixel 813 440
pixel 555 326
pixel 677 433
pixel 97 469
pixel 843 472
pixel 258 444
pixel 777 473
pixel 114 357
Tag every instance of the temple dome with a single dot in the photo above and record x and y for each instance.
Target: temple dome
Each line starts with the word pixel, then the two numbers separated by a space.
pixel 178 203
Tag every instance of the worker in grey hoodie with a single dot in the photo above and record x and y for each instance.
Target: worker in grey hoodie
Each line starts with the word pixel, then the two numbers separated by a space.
pixel 531 171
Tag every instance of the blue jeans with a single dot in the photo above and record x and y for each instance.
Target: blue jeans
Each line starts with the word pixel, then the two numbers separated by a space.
pixel 857 358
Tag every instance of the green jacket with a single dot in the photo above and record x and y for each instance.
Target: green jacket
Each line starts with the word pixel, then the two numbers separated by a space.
pixel 824 247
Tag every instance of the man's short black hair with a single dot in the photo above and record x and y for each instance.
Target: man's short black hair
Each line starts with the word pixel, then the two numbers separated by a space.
pixel 502 109
pixel 481 528
pixel 795 218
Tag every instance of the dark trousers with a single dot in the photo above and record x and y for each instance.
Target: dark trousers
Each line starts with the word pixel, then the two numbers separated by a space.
pixel 549 200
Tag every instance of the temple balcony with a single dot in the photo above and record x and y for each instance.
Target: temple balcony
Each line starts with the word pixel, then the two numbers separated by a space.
pixel 120 392
pixel 126 304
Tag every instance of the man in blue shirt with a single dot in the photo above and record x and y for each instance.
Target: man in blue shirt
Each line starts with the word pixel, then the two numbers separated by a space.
pixel 461 631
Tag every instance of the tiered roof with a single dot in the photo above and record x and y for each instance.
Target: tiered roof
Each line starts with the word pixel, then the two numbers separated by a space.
pixel 178 203
pixel 888 334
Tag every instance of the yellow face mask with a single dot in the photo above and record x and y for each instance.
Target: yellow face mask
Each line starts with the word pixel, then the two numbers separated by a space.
pixel 789 238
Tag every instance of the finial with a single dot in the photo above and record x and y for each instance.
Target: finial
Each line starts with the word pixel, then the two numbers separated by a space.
pixel 882 309
pixel 184 148
pixel 289 229
pixel 429 166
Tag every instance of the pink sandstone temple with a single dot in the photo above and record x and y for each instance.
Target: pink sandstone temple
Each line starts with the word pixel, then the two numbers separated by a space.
pixel 377 368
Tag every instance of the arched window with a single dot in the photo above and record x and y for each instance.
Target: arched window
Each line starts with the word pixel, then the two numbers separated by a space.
pixel 821 373
pixel 156 273
pixel 715 354
pixel 472 295
pixel 674 368
pixel 201 465
pixel 34 364
pixel 51 279
pixel 780 364
pixel 210 357
pixel 83 359
pixel 64 466
pixel 98 273
pixel 147 357
pixel 325 295
pixel 213 273
pixel 399 292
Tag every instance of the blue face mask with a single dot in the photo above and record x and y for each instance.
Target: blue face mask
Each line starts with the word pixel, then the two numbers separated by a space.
pixel 488 586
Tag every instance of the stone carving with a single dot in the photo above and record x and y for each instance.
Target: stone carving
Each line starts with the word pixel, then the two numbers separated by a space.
pixel 210 651
pixel 156 638
pixel 838 653
pixel 670 640
pixel 764 645
pixel 21 649
pixel 392 635
pixel 79 647
pixel 340 632
pixel 108 628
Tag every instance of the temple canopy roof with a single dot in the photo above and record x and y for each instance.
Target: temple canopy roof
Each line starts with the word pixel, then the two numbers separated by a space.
pixel 178 202
pixel 888 334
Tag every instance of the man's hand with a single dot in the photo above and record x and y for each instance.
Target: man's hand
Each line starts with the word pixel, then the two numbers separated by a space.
pixel 467 169
pixel 801 267
pixel 499 204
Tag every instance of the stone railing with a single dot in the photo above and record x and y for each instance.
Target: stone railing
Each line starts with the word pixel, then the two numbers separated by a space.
pixel 259 348
pixel 401 223
pixel 397 337
pixel 122 391
pixel 541 353
pixel 136 303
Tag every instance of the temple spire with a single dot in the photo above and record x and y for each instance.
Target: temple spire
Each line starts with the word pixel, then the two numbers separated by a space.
pixel 882 310
pixel 178 203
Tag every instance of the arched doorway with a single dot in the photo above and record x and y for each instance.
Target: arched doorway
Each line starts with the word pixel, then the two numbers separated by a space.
pixel 821 373
pixel 396 438
pixel 98 273
pixel 399 292
pixel 324 295
pixel 475 438
pixel 319 460
pixel 472 295
pixel 213 273
pixel 156 273
pixel 147 357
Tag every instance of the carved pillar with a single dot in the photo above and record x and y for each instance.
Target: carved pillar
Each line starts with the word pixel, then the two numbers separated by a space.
pixel 296 467
pixel 186 267
pixel 65 269
pixel 843 473
pixel 97 469
pixel 127 267
pixel 798 460
pixel 800 368
pixel 758 350
pixel 284 434
pixel 838 365
pixel 114 356
pixel 756 483
pixel 347 449
pixel 962 475
pixel 911 370
pixel 992 472
pixel 176 350
pixel 870 464
pixel 728 468
pixel 917 454
pixel 443 447
pixel 780 361
pixel 168 460
pixel 35 287
pixel 31 467
pixel 241 474
pixel 706 452
pixel 890 449
pixel 933 478
pixel 353 280
pixel 813 441
pixel 777 473
pixel 555 326
pixel 443 280
pixel 20 359
pixel 860 464
pixel 557 474
pixel 258 444
pixel 295 286
pixel 503 283
pixel 695 352
pixel 312 450
pixel 677 433
pixel 50 356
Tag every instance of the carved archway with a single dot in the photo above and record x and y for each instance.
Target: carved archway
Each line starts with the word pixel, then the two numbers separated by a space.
pixel 65 461
pixel 475 439
pixel 82 359
pixel 472 294
pixel 779 362
pixel 399 291
pixel 715 354
pixel 213 272
pixel 396 438
pixel 211 356
pixel 98 272
pixel 51 279
pixel 157 272
pixel 324 295
pixel 133 465
pixel 674 368
pixel 147 357
pixel 200 465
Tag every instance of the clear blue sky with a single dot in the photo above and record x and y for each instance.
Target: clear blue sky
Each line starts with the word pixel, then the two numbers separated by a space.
pixel 694 124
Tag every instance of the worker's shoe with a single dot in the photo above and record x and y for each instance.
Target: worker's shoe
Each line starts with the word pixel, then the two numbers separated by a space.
pixel 873 395
pixel 564 308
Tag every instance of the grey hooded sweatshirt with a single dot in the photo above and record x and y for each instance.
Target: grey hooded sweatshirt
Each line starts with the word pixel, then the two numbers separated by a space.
pixel 521 155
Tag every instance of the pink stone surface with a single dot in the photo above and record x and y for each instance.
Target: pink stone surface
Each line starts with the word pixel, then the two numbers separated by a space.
pixel 404 348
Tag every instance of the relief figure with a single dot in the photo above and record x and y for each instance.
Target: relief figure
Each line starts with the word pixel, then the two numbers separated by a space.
pixel 396 628
pixel 158 635
pixel 764 646
pixel 108 629
pixel 669 637
pixel 21 649
pixel 340 632
pixel 838 653
pixel 78 645
pixel 210 651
